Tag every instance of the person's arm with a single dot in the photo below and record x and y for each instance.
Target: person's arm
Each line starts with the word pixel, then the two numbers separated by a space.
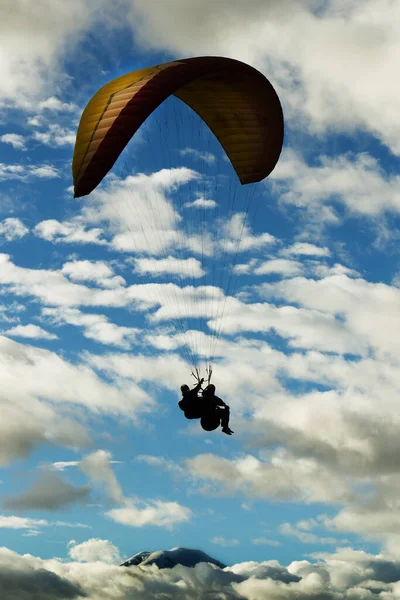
pixel 219 402
pixel 198 386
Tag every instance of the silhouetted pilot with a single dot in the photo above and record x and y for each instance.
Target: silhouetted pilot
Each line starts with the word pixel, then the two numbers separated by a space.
pixel 217 405
pixel 196 408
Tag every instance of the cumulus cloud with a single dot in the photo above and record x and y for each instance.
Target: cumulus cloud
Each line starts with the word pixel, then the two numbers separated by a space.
pixel 27 173
pixel 97 467
pixel 92 270
pixel 368 310
pixel 55 105
pixel 358 182
pixel 239 238
pixel 13 229
pixel 49 492
pixel 55 136
pixel 68 232
pixel 316 91
pixel 188 267
pixel 38 389
pixel 201 203
pixel 62 465
pixel 158 513
pixel 153 227
pixel 43 583
pixel 207 157
pixel 281 478
pixel 33 527
pixel 12 522
pixel 94 550
pixel 95 326
pixel 33 39
pixel 346 574
pixel 16 140
pixel 55 290
pixel 304 536
pixel 30 331
pixel 305 249
pixel 303 327
pixel 263 541
pixel 279 266
pixel 224 542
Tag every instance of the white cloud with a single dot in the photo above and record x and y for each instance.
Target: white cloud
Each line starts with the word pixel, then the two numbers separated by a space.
pixel 322 271
pixel 44 172
pixel 30 331
pixel 239 237
pixel 54 104
pixel 207 157
pixel 68 232
pixel 356 181
pixel 346 574
pixel 305 249
pixel 280 266
pixel 94 550
pixel 138 211
pixel 369 311
pixel 306 537
pixel 56 136
pixel 49 492
pixel 33 526
pixel 262 541
pixel 281 478
pixel 92 270
pixel 16 140
pixel 189 267
pixel 296 46
pixel 201 203
pixel 302 327
pixel 33 41
pixel 97 467
pixel 54 289
pixel 245 268
pixel 13 522
pixel 96 327
pixel 9 313
pixel 26 173
pixel 224 542
pixel 157 513
pixel 62 465
pixel 39 387
pixel 13 229
pixel 50 286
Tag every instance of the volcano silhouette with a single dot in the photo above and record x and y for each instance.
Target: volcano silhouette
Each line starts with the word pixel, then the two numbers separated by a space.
pixel 166 559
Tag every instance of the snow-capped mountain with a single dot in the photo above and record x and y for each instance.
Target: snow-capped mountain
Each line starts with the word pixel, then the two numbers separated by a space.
pixel 166 559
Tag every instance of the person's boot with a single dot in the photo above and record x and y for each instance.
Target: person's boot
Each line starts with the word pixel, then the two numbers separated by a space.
pixel 227 430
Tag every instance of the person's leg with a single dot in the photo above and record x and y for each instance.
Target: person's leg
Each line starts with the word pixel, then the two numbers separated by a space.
pixel 192 414
pixel 224 412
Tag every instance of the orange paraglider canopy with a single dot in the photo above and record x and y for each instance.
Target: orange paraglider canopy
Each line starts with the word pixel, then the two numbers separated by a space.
pixel 236 101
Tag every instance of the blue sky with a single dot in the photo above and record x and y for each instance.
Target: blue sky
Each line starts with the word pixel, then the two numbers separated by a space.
pixel 101 295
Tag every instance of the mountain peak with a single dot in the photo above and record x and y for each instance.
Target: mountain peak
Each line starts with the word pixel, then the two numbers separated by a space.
pixel 166 559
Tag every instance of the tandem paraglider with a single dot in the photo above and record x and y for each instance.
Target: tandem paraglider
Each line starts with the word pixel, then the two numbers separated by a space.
pixel 187 229
pixel 211 410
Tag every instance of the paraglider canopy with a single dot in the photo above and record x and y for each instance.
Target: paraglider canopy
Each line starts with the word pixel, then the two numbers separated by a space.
pixel 236 101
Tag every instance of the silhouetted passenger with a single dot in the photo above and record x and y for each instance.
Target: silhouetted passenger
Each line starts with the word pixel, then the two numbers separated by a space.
pixel 215 404
pixel 196 408
pixel 190 402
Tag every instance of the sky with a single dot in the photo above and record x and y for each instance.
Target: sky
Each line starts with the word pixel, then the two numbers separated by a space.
pixel 290 286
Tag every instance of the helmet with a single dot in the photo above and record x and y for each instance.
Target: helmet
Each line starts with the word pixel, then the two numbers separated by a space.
pixel 210 390
pixel 184 388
